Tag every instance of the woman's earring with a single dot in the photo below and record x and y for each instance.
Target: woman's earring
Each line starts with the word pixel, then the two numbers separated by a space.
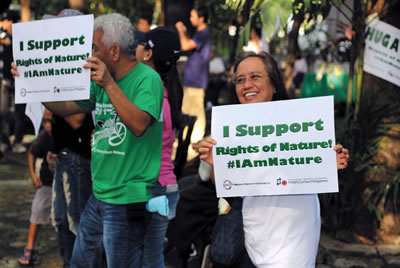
pixel 144 58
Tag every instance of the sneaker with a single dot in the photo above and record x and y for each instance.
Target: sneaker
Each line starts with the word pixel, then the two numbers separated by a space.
pixel 18 148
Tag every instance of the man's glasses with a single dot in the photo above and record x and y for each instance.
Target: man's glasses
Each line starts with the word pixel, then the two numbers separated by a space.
pixel 253 77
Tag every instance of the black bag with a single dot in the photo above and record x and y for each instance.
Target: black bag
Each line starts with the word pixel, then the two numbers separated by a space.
pixel 227 239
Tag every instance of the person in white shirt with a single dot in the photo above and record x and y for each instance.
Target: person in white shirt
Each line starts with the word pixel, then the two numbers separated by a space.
pixel 280 231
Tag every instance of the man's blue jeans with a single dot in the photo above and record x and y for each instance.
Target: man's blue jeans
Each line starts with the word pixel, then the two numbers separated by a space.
pixel 72 188
pixel 105 223
pixel 157 228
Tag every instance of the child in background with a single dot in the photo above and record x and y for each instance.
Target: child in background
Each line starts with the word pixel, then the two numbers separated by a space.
pixel 42 148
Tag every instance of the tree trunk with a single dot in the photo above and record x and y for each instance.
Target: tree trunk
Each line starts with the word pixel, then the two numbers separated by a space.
pixel 293 46
pixel 241 22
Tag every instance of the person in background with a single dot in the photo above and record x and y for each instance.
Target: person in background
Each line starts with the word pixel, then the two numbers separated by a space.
pixel 72 185
pixel 217 79
pixel 160 49
pixel 126 150
pixel 282 230
pixel 299 71
pixel 42 149
pixel 255 43
pixel 196 68
pixel 144 24
pixel 20 120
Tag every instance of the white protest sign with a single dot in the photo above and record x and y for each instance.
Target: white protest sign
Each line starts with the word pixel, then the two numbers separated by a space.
pixel 382 51
pixel 275 148
pixel 35 110
pixel 49 55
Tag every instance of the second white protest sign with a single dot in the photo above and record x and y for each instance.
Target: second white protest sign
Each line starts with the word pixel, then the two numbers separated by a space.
pixel 275 148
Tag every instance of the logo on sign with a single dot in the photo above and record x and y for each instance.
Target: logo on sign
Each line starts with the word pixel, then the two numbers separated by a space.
pixel 279 181
pixel 227 184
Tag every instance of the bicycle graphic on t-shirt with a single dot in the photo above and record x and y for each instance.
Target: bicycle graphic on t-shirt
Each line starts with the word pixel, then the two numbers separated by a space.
pixel 112 129
pixel 118 136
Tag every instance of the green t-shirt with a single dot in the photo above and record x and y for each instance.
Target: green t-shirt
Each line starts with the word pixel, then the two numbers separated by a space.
pixel 126 167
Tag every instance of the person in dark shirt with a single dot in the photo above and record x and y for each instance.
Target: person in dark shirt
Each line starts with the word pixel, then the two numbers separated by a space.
pixel 7 18
pixel 42 148
pixel 196 69
pixel 72 182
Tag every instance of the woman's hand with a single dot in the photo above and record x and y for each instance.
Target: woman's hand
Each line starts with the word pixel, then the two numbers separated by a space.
pixel 205 149
pixel 14 71
pixel 342 156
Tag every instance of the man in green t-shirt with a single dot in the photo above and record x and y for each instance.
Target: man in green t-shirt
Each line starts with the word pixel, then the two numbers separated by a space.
pixel 126 151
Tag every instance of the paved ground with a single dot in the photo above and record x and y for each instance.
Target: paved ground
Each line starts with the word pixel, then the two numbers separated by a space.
pixel 16 193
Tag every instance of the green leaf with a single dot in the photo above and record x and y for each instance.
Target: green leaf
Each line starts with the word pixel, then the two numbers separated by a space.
pixel 244 37
pixel 269 10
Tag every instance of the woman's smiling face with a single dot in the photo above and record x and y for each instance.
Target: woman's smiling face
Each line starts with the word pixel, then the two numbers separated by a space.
pixel 252 81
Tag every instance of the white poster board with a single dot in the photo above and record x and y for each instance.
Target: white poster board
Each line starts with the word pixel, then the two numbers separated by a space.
pixel 382 51
pixel 35 110
pixel 49 55
pixel 275 148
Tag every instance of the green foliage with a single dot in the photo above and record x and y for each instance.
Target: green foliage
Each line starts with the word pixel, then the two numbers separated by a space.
pixel 130 8
pixel 269 12
pixel 363 136
pixel 221 16
pixel 243 37
pixel 51 7
pixel 96 9
pixel 381 193
pixel 237 4
pixel 274 14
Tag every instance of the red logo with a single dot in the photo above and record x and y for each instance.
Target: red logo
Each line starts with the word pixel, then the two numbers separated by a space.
pixel 284 182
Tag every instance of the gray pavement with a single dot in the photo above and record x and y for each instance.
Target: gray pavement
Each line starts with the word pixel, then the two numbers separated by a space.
pixel 16 194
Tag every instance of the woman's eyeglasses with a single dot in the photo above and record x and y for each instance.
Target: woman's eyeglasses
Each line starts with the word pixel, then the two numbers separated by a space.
pixel 143 43
pixel 253 77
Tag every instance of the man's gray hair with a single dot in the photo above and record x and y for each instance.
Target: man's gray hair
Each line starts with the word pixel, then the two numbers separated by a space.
pixel 116 29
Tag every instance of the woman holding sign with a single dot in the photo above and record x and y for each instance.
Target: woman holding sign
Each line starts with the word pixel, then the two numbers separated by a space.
pixel 283 230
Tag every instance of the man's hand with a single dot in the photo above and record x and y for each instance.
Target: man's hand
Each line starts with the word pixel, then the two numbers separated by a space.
pixel 186 43
pixel 180 27
pixel 99 72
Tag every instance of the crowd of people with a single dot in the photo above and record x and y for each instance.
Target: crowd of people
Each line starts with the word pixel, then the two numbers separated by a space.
pixel 112 203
